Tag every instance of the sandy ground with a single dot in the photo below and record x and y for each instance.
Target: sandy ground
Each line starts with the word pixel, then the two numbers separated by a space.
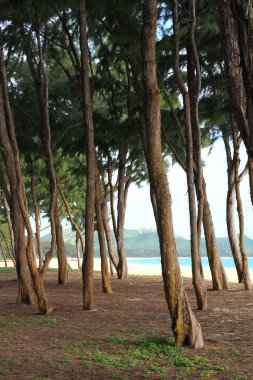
pixel 148 270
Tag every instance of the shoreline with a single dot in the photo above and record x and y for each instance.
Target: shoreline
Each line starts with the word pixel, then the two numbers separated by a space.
pixel 148 269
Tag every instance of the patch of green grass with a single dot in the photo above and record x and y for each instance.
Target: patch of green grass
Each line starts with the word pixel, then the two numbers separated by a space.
pixel 235 351
pixel 66 359
pixel 6 324
pixel 8 270
pixel 154 368
pixel 206 373
pixel 4 372
pixel 184 372
pixel 41 378
pixel 238 376
pixel 217 351
pixel 48 320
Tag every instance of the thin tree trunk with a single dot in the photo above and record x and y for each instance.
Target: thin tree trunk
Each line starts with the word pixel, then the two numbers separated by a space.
pixel 219 277
pixel 104 265
pixel 60 250
pixel 87 267
pixel 198 282
pixel 122 196
pixel 37 216
pixel 108 233
pixel 71 219
pixel 245 268
pixel 3 254
pixel 230 201
pixel 10 152
pixel 184 325
pixel 79 263
pixel 8 218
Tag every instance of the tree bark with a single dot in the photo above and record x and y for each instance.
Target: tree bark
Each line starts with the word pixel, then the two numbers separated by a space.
pixel 219 277
pixel 10 153
pixel 60 250
pixel 121 207
pixel 3 255
pixel 184 325
pixel 87 267
pixel 108 233
pixel 79 263
pixel 36 216
pixel 230 202
pixel 198 282
pixel 100 227
pixel 245 268
pixel 8 218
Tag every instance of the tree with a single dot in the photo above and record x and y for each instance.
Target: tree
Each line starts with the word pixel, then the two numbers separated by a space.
pixel 184 325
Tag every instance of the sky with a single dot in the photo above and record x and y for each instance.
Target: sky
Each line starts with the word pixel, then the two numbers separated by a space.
pixel 139 213
pixel 139 210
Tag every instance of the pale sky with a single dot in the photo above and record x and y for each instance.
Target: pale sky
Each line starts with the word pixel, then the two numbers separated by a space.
pixel 139 210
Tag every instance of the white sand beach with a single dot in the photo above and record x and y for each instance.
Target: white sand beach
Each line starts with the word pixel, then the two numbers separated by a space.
pixel 146 270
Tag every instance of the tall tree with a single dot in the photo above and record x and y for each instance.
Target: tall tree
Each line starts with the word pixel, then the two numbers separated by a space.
pixel 87 267
pixel 184 325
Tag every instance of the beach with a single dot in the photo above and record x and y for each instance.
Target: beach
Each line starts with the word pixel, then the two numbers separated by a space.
pixel 146 269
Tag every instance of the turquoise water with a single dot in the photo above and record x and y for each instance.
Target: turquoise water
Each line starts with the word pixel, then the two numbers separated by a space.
pixel 228 262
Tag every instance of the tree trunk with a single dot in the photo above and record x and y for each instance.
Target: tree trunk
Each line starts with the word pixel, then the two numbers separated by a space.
pixel 230 201
pixel 245 268
pixel 122 271
pixel 3 255
pixel 60 250
pixel 184 325
pixel 104 265
pixel 79 263
pixel 8 218
pixel 198 282
pixel 108 233
pixel 219 277
pixel 10 153
pixel 36 216
pixel 87 267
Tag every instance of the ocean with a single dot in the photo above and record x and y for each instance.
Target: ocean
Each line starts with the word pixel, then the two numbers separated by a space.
pixel 227 262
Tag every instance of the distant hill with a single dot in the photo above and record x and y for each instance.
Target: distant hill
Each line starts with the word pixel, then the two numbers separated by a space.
pixel 145 243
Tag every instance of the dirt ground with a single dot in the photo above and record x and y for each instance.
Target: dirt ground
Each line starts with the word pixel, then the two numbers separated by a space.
pixel 127 337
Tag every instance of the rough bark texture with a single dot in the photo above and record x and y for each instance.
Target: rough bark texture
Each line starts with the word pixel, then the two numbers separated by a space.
pixel 36 216
pixel 121 208
pixel 10 153
pixel 230 202
pixel 184 325
pixel 87 267
pixel 8 218
pixel 60 249
pixel 101 236
pixel 236 23
pixel 245 267
pixel 198 281
pixel 109 239
pixel 219 277
pixel 79 262
pixel 40 78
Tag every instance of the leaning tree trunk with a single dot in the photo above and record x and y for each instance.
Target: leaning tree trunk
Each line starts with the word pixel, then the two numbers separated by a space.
pixel 230 202
pixel 40 78
pixel 87 267
pixel 36 216
pixel 245 267
pixel 101 236
pixel 79 263
pixel 109 238
pixel 8 219
pixel 184 325
pixel 10 153
pixel 3 255
pixel 236 23
pixel 219 277
pixel 198 281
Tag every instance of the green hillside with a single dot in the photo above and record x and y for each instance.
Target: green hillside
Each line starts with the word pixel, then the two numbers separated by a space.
pixel 145 243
